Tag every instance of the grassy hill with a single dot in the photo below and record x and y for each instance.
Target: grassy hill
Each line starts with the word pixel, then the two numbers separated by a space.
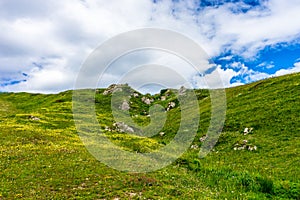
pixel 42 157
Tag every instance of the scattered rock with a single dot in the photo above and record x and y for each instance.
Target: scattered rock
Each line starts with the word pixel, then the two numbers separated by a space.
pixel 31 117
pixel 248 130
pixel 147 100
pixel 194 146
pixel 203 138
pixel 244 146
pixel 122 127
pixel 135 94
pixel 252 148
pixel 163 98
pixel 107 129
pixel 239 148
pixel 171 105
pixel 125 105
pixel 162 134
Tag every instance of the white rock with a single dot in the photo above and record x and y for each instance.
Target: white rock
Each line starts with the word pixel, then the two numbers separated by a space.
pixel 241 148
pixel 125 105
pixel 247 130
pixel 113 88
pixel 147 100
pixel 203 138
pixel 122 127
pixel 171 105
pixel 31 117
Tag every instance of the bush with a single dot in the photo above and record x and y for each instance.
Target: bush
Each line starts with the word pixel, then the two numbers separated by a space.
pixel 266 185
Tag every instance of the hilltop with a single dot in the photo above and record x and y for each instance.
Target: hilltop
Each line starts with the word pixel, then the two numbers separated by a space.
pixel 256 156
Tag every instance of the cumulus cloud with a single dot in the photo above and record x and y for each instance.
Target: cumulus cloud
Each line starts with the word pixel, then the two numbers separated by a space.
pixel 36 31
pixel 272 22
pixel 294 69
pixel 49 40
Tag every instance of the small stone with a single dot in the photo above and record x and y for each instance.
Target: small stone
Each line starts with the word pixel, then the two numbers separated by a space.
pixel 31 117
pixel 162 134
pixel 247 130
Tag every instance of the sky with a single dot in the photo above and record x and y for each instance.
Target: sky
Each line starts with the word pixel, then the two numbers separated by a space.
pixel 43 44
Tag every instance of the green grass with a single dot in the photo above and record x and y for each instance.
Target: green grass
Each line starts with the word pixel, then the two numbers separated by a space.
pixel 45 159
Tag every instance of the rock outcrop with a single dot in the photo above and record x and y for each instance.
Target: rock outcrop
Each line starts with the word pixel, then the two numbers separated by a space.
pixel 113 88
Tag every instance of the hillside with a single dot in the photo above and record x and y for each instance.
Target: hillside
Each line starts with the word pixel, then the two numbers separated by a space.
pixel 42 156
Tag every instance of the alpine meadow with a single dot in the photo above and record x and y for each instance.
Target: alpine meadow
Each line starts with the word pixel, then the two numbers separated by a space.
pixel 256 156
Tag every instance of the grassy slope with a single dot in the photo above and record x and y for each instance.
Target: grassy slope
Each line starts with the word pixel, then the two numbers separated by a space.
pixel 45 159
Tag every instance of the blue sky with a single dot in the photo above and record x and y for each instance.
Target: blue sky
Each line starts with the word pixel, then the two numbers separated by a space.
pixel 269 60
pixel 44 43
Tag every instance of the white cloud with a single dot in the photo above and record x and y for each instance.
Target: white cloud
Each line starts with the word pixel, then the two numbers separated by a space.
pixel 63 33
pixel 294 69
pixel 247 75
pixel 70 30
pixel 52 77
pixel 259 27
pixel 238 70
pixel 219 78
